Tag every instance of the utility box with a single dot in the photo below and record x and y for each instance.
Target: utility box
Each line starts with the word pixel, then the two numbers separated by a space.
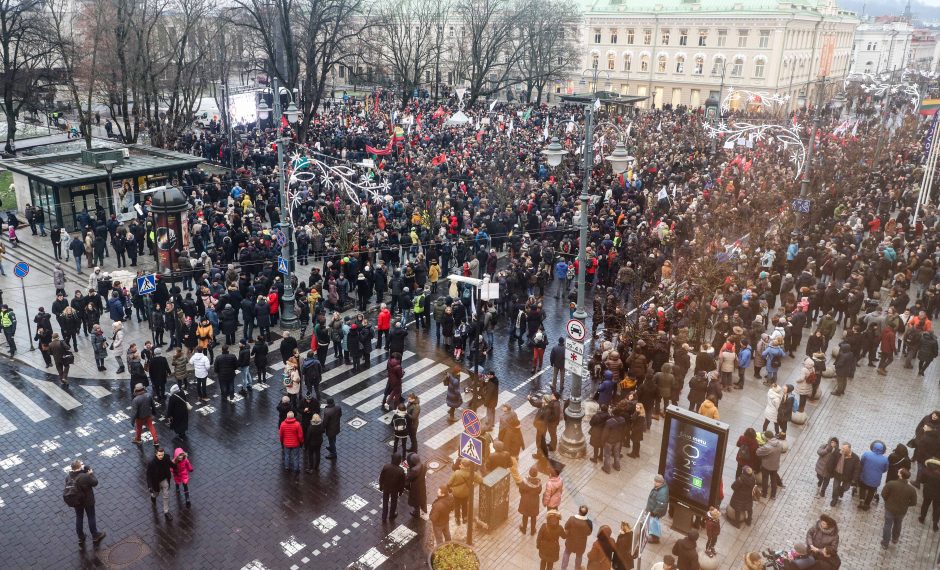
pixel 494 498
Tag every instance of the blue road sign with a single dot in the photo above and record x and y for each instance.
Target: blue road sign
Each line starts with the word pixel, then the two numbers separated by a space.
pixel 282 265
pixel 471 423
pixel 801 205
pixel 146 284
pixel 471 448
pixel 280 237
pixel 21 269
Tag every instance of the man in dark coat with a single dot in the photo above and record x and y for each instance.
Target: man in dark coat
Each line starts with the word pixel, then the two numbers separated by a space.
pixel 159 372
pixel 845 468
pixel 288 344
pixel 686 552
pixel 557 359
pixel 226 366
pixel 392 484
pixel 396 339
pixel 158 479
pixel 84 480
pixel 331 419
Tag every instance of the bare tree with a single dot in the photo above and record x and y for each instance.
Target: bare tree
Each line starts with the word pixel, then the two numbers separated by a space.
pixel 76 39
pixel 493 52
pixel 24 51
pixel 548 34
pixel 404 40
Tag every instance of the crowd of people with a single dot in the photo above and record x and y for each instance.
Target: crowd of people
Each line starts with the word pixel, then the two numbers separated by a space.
pixel 689 288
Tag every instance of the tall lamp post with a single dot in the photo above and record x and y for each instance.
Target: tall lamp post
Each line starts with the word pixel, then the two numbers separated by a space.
pixel 109 167
pixel 817 120
pixel 288 317
pixel 572 440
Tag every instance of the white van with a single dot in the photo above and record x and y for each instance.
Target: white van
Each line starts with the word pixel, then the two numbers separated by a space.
pixel 206 112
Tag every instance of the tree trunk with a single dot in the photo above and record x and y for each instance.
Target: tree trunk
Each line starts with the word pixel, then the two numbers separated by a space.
pixel 11 125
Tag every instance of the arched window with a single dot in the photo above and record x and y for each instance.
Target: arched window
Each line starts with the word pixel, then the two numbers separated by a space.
pixel 610 61
pixel 680 64
pixel 627 62
pixel 645 63
pixel 718 65
pixel 699 65
pixel 738 67
pixel 661 65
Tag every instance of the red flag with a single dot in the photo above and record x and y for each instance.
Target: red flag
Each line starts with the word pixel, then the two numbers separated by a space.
pixel 439 159
pixel 284 123
pixel 439 113
pixel 380 151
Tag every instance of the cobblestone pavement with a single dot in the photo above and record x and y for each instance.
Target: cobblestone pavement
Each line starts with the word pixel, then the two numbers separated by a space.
pixel 247 514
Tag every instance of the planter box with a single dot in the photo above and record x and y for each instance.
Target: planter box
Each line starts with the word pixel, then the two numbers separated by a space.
pixel 467 560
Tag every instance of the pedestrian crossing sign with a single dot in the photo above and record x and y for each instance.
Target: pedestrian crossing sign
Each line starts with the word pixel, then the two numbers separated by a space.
pixel 471 448
pixel 282 265
pixel 146 284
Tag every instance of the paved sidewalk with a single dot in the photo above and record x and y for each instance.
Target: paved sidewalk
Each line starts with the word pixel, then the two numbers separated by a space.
pixel 874 407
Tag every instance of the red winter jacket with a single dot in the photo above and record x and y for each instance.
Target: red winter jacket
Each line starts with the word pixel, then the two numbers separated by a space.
pixel 384 321
pixel 291 434
pixel 273 301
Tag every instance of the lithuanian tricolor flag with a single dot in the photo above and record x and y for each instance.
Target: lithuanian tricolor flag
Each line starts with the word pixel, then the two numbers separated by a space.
pixel 929 107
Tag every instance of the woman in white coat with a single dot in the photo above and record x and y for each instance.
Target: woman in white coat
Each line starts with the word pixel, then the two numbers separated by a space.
pixel 774 397
pixel 804 385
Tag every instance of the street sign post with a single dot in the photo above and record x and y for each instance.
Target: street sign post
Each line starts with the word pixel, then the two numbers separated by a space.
pixel 576 330
pixel 21 270
pixel 471 448
pixel 471 423
pixel 280 237
pixel 282 265
pixel 146 284
pixel 801 205
pixel 574 357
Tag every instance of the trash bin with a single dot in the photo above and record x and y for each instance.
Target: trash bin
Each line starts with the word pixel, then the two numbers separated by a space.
pixel 494 498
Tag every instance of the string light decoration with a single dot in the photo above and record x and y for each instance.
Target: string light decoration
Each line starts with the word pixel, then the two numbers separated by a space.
pixel 307 168
pixel 788 137
pixel 768 101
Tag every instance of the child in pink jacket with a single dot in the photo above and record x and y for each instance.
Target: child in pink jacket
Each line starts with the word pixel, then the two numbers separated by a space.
pixel 181 470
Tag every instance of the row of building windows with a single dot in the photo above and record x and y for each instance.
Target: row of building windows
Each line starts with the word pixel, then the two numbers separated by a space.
pixel 763 38
pixel 698 65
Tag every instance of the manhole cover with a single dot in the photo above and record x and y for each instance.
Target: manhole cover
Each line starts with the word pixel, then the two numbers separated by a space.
pixel 434 465
pixel 127 552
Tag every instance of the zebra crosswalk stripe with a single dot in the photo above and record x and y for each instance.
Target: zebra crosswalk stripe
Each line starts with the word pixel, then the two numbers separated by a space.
pixel 6 426
pixel 356 378
pixel 409 385
pixel 425 397
pixel 334 372
pixel 453 430
pixel 24 404
pixel 58 395
pixel 379 386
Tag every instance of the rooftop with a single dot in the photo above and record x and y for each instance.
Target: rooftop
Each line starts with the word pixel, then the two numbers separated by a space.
pixel 66 168
pixel 674 7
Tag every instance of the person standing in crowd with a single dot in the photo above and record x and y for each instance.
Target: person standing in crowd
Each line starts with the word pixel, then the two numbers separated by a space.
pixel 259 352
pixel 547 541
pixel 899 496
pixel 844 468
pixel 461 484
pixel 416 485
pixel 578 528
pixel 142 408
pixel 770 463
pixel 181 470
pixel 291 435
pixel 332 415
pixel 79 494
pixel 226 367
pixel 392 485
pixel 440 515
pixel 177 411
pixel 159 473
pixel 686 551
pixel 529 490
pixel 201 365
pixel 117 344
pixel 874 464
pixel 159 370
pixel 826 453
pixel 656 505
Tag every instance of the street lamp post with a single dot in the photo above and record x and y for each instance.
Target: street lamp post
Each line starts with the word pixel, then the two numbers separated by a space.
pixel 109 167
pixel 817 120
pixel 572 440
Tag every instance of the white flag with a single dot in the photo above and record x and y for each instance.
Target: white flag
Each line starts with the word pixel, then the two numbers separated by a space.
pixel 662 194
pixel 855 128
pixel 629 128
pixel 511 125
pixel 545 132
pixel 570 127
pixel 597 104
pixel 659 129
pixel 493 105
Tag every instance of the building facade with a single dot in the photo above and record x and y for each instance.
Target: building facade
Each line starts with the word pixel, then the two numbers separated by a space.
pixel 681 51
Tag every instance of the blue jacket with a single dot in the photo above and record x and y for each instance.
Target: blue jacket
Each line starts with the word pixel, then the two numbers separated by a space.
pixel 744 357
pixel 769 354
pixel 116 309
pixel 605 392
pixel 874 465
pixel 561 270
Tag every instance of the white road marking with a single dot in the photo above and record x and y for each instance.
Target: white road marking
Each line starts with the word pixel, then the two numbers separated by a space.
pixel 56 394
pixel 96 391
pixel 11 461
pixel 356 378
pixel 334 372
pixel 355 503
pixel 24 404
pixel 292 546
pixel 406 386
pixel 6 426
pixel 431 416
pixel 531 378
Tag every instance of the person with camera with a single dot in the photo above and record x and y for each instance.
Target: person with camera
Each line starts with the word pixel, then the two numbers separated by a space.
pixel 80 495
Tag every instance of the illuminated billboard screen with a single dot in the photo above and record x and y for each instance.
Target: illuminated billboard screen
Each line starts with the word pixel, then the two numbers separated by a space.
pixel 692 457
